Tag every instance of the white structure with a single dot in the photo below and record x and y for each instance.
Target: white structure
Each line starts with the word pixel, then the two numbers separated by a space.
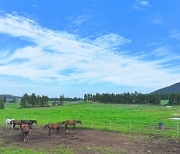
pixel 168 107
pixel 174 118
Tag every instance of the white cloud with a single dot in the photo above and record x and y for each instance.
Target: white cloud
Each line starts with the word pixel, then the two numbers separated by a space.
pixel 64 58
pixel 80 19
pixel 156 18
pixel 144 3
pixel 140 4
pixel 111 40
pixel 166 57
pixel 175 34
pixel 162 51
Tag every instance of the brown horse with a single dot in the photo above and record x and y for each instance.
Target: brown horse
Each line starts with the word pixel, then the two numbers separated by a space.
pixel 25 129
pixel 53 126
pixel 16 122
pixel 71 122
pixel 20 122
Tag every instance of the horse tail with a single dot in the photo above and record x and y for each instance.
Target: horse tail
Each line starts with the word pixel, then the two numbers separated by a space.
pixel 46 126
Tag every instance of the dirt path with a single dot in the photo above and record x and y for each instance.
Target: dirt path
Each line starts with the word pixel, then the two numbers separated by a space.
pixel 92 141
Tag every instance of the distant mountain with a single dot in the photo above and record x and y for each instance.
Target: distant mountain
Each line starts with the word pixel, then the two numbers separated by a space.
pixel 9 96
pixel 175 88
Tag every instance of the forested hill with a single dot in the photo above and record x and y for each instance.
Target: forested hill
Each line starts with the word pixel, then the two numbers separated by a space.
pixel 8 96
pixel 175 88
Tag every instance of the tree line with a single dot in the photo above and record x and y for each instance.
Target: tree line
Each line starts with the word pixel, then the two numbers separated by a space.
pixel 174 99
pixel 2 102
pixel 69 99
pixel 124 98
pixel 31 101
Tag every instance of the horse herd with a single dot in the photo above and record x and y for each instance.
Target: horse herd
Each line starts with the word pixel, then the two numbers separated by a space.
pixel 26 126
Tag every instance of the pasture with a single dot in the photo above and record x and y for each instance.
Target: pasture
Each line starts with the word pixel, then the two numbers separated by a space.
pixel 123 118
pixel 121 124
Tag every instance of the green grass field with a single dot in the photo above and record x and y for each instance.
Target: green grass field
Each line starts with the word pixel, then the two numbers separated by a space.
pixel 123 118
pixel 9 149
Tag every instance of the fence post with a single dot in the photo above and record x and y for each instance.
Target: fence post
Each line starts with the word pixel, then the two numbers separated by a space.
pixel 110 125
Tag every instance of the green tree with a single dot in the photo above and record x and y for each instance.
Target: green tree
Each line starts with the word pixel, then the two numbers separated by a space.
pixel 2 103
pixel 62 98
pixel 174 99
pixel 33 100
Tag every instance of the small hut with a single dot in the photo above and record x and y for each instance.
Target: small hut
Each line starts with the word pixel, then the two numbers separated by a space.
pixel 56 103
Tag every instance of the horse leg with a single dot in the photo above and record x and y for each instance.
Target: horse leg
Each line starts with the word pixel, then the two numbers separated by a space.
pixel 30 127
pixel 24 137
pixel 66 128
pixel 49 131
pixel 27 137
pixel 57 130
pixel 74 127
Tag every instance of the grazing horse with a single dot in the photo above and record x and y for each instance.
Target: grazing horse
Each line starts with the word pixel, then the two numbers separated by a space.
pixel 71 122
pixel 53 126
pixel 16 122
pixel 9 122
pixel 25 129
pixel 30 122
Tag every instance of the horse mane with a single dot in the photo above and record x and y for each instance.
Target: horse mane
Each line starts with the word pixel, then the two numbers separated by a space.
pixel 33 120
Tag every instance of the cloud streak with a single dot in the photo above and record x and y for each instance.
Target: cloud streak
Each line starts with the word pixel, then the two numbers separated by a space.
pixel 57 56
pixel 140 4
pixel 175 34
pixel 80 19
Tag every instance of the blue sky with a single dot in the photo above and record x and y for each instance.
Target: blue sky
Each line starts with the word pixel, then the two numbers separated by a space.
pixel 73 47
